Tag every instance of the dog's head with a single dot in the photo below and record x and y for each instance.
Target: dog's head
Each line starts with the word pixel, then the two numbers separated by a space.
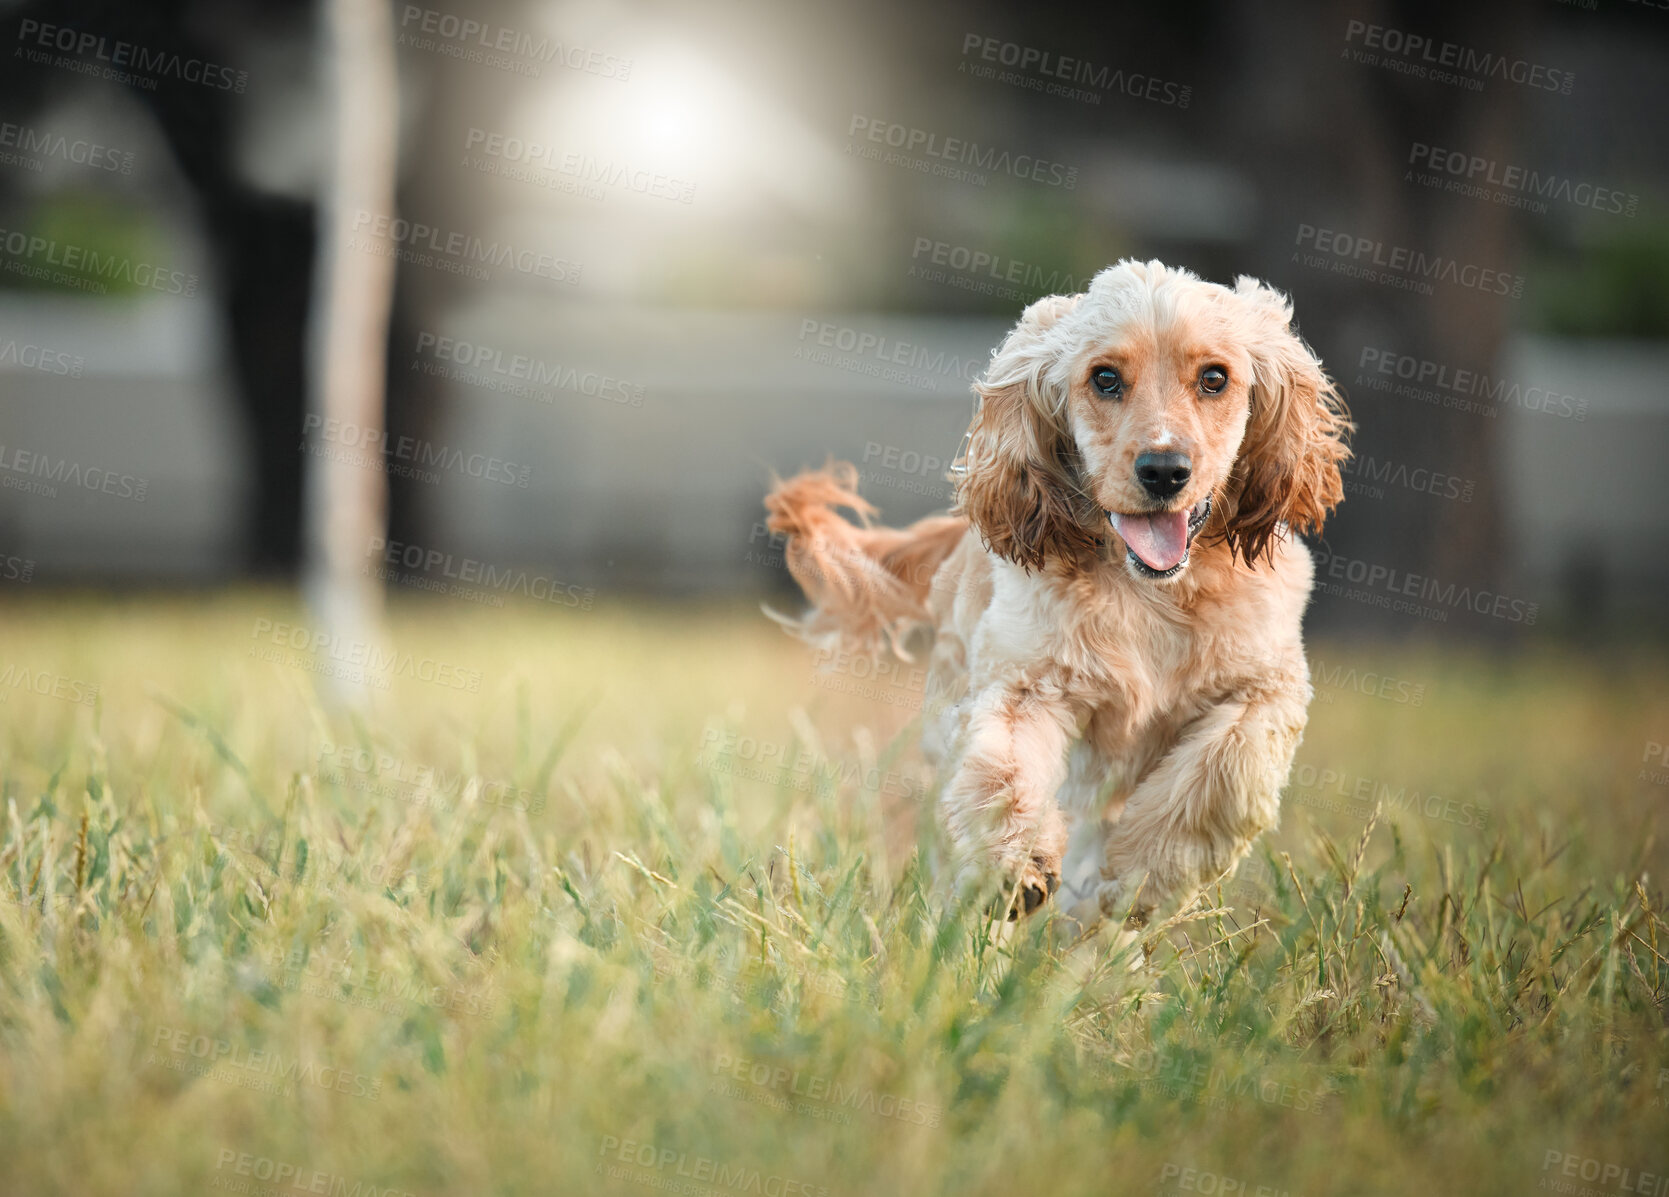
pixel 1151 408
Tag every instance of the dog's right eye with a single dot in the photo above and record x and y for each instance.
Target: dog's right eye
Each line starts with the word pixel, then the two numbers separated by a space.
pixel 1106 381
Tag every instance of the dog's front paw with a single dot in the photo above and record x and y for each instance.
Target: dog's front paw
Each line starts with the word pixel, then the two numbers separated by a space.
pixel 1028 886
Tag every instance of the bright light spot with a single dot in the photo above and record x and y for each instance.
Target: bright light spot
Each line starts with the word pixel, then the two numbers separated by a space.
pixel 684 118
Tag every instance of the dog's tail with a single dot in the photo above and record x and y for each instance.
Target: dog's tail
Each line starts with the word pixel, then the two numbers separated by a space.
pixel 867 585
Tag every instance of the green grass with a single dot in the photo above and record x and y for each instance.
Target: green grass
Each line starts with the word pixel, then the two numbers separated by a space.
pixel 633 927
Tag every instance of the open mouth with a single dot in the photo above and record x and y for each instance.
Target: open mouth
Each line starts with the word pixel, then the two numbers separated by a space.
pixel 1157 541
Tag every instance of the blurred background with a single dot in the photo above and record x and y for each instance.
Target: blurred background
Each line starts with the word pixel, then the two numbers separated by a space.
pixel 645 254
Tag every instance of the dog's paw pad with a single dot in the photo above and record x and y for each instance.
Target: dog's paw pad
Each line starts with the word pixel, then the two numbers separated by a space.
pixel 1034 885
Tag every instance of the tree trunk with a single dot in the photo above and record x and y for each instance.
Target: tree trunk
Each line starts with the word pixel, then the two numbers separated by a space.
pixel 347 488
pixel 1328 138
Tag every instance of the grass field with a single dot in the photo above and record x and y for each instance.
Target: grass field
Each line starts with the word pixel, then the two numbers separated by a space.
pixel 634 899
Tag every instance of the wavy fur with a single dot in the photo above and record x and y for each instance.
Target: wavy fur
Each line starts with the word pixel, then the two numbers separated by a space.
pixel 868 586
pixel 1114 731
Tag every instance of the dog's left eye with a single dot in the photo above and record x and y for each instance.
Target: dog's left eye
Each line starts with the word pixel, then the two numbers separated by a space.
pixel 1107 382
pixel 1213 379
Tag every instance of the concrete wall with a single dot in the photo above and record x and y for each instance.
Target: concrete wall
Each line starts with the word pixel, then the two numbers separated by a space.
pixel 648 450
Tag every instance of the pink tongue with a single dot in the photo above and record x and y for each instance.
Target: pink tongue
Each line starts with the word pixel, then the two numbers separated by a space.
pixel 1160 540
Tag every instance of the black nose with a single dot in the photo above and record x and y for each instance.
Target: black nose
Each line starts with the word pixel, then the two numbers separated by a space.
pixel 1163 474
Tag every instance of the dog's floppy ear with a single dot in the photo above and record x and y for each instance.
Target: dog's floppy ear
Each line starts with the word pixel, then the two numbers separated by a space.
pixel 1018 485
pixel 1295 442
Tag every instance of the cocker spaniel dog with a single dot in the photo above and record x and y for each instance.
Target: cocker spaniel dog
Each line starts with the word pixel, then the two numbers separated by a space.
pixel 1115 601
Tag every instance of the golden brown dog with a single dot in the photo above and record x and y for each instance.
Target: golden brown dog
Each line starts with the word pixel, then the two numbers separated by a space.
pixel 1115 603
